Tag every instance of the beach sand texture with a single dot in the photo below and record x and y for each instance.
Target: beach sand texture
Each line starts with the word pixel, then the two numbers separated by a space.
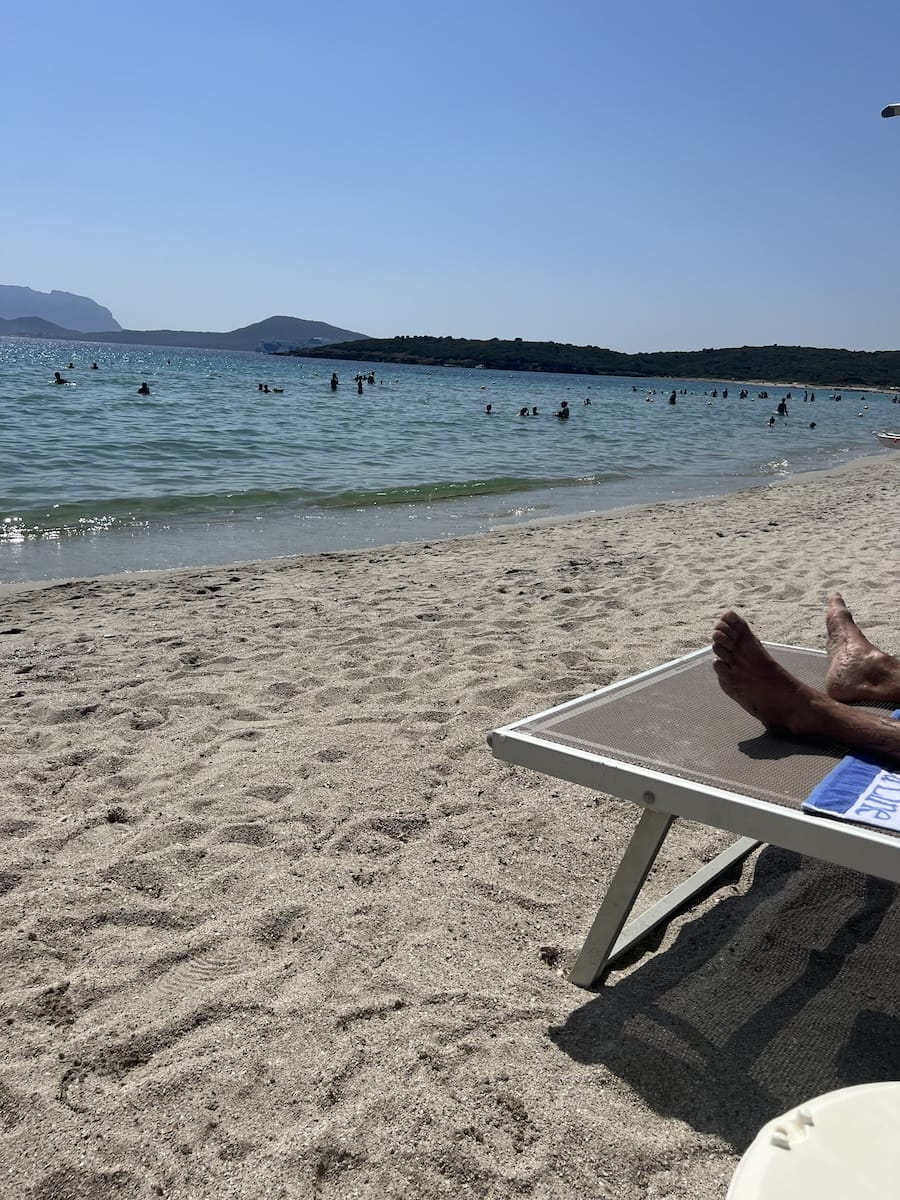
pixel 273 922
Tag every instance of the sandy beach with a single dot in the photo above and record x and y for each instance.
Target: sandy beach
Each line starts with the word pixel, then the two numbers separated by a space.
pixel 275 923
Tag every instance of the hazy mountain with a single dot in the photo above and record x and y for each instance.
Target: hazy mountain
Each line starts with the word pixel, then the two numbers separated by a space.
pixel 276 331
pixel 33 327
pixel 61 308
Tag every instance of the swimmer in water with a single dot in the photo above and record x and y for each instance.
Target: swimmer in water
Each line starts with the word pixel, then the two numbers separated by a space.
pixel 94 367
pixel 57 378
pixel 144 390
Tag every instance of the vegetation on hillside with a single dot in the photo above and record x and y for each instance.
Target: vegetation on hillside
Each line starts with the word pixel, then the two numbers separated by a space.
pixel 770 364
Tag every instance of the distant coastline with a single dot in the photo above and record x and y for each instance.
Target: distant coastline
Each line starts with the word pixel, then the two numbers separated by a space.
pixel 828 368
pixel 776 366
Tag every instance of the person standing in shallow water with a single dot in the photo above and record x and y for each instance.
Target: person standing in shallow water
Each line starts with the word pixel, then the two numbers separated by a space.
pixel 858 672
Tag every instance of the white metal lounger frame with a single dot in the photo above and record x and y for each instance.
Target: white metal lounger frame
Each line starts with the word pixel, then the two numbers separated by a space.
pixel 663 798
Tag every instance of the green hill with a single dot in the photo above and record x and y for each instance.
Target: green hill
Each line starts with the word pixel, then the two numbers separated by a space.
pixel 769 364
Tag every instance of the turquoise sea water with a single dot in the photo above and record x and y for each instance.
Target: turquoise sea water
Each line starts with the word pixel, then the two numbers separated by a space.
pixel 95 478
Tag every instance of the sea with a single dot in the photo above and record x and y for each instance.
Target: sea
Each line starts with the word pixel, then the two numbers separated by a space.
pixel 207 469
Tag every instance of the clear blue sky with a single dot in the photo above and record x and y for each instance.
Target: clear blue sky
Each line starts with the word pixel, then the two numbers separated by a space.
pixel 653 176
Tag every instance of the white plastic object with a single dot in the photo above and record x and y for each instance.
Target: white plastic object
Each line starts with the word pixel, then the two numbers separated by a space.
pixel 845 1143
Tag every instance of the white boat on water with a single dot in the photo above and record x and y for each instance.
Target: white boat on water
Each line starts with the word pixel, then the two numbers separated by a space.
pixel 889 439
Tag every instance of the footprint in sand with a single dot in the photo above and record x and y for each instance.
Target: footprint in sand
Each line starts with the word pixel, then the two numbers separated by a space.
pixel 190 978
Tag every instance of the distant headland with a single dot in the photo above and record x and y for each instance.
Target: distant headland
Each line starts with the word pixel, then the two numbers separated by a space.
pixel 63 310
pixel 767 364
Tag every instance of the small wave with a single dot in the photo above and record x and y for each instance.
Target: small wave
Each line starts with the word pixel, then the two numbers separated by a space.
pixel 97 516
pixel 455 489
pixel 101 514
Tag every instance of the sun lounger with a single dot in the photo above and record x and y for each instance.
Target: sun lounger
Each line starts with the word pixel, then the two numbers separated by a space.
pixel 672 743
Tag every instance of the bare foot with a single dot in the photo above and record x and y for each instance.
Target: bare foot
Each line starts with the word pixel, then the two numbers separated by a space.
pixel 749 675
pixel 857 669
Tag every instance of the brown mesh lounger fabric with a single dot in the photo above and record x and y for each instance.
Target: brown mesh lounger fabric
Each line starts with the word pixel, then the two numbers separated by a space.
pixel 670 741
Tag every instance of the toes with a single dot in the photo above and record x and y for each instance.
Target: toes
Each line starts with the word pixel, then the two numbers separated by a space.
pixel 837 607
pixel 733 621
pixel 732 628
pixel 738 625
pixel 722 644
pixel 727 633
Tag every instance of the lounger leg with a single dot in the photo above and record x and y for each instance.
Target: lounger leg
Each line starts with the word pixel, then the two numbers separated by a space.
pixel 620 896
pixel 607 941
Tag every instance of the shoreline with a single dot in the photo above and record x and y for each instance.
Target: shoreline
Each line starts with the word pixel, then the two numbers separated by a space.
pixel 275 921
pixel 453 510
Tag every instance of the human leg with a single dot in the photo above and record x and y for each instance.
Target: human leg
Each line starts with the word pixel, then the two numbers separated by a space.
pixel 858 671
pixel 749 675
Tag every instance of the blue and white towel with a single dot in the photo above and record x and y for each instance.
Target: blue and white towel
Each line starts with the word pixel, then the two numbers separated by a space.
pixel 859 789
